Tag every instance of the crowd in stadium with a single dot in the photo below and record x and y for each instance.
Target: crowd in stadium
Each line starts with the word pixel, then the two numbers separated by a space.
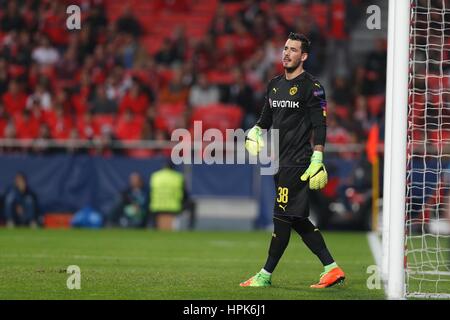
pixel 106 82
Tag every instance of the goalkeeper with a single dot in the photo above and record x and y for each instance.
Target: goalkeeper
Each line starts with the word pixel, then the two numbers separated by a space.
pixel 295 105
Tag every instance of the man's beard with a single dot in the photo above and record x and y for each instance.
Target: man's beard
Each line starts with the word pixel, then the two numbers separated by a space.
pixel 292 69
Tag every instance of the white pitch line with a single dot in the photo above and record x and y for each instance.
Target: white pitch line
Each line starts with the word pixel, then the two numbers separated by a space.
pixel 377 251
pixel 375 247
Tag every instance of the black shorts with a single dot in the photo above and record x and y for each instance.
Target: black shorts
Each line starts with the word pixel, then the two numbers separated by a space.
pixel 292 194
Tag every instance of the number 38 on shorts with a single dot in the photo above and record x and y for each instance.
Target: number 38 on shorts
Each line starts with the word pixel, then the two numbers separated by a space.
pixel 283 195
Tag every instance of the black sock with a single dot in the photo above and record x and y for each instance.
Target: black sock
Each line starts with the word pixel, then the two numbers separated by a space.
pixel 313 239
pixel 279 242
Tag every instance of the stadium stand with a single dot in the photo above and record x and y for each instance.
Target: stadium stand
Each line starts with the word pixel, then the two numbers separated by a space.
pixel 134 50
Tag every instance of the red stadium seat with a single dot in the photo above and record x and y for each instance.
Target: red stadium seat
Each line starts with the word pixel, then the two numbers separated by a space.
pixel 26 129
pixel 104 121
pixel 244 45
pixel 3 124
pixel 152 43
pixel 342 111
pixel 233 8
pixel 195 32
pixel 129 129
pixel 224 39
pixel 168 116
pixel 219 116
pixel 60 126
pixel 220 77
pixel 289 11
pixel 375 104
pixel 319 11
pixel 87 129
pixel 16 70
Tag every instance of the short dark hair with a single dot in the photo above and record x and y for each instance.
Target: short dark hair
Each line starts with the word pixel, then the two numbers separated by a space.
pixel 303 39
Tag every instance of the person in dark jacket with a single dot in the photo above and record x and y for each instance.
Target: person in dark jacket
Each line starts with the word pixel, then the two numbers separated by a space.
pixel 20 204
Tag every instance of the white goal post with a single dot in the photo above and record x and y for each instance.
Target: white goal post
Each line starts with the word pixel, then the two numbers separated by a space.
pixel 416 202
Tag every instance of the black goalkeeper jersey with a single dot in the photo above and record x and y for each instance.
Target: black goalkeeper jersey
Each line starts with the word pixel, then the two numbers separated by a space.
pixel 297 108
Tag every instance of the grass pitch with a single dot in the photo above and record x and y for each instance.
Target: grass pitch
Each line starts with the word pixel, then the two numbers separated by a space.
pixel 128 264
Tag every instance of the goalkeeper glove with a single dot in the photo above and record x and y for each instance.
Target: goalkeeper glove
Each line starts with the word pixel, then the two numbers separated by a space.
pixel 254 141
pixel 316 172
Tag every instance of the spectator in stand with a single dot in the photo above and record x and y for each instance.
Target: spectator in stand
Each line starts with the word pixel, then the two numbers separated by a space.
pixel 275 22
pixel 14 99
pixel 4 76
pixel 245 43
pixel 167 54
pixel 97 19
pixel 375 69
pixel 248 13
pixel 106 141
pixel 241 94
pixel 161 137
pixel 135 100
pixel 357 189
pixel 221 23
pixel 129 126
pixel 3 120
pixel 180 43
pixel 68 67
pixel 317 55
pixel 129 49
pixel 10 132
pixel 12 19
pixel 203 93
pixel 87 42
pixel 374 83
pixel 108 55
pixel 60 123
pixel 188 73
pixel 71 147
pixel 17 50
pixel 110 59
pixel 63 100
pixel 41 145
pixel 117 83
pixel 203 53
pixel 32 15
pixel 227 57
pixel 127 23
pixel 53 24
pixel 21 205
pixel 45 54
pixel 36 111
pixel 261 61
pixel 42 96
pixel 342 98
pixel 338 35
pixel 131 209
pixel 100 103
pixel 175 92
pixel 87 128
pixel 260 29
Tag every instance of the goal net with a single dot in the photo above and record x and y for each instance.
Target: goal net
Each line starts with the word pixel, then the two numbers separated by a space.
pixel 427 241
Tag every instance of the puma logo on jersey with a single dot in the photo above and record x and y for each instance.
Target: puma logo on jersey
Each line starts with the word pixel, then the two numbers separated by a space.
pixel 284 208
pixel 274 90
